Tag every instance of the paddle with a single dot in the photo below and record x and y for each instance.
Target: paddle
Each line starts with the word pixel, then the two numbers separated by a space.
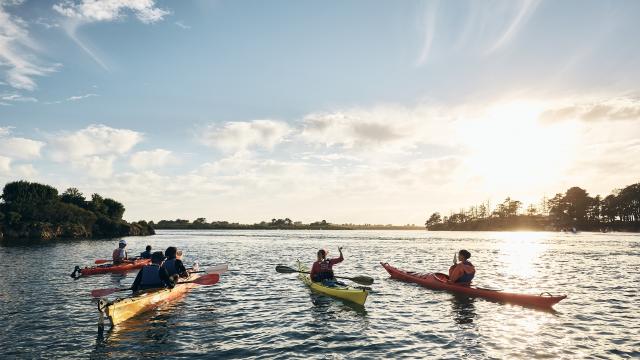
pixel 103 261
pixel 208 279
pixel 218 269
pixel 362 280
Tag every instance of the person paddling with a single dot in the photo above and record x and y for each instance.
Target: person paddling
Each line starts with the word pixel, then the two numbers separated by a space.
pixel 322 270
pixel 153 276
pixel 146 254
pixel 119 255
pixel 462 272
pixel 173 265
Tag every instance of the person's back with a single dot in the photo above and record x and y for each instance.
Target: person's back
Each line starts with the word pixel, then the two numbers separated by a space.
pixel 153 276
pixel 173 265
pixel 119 255
pixel 464 271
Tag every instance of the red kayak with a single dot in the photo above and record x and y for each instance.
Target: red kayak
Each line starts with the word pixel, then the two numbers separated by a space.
pixel 110 268
pixel 439 282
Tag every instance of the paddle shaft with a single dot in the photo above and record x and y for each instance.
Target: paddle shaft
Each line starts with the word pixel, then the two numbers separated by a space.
pixel 364 280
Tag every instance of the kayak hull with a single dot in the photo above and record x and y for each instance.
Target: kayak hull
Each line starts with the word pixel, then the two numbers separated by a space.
pixel 120 310
pixel 437 281
pixel 348 293
pixel 95 270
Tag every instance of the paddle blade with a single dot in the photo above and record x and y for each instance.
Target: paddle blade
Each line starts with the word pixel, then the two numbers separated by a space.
pixel 208 279
pixel 104 292
pixel 285 269
pixel 102 261
pixel 362 280
pixel 218 269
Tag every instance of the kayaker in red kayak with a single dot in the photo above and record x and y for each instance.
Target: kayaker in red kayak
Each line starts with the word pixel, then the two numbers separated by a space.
pixel 462 272
pixel 119 255
pixel 173 265
pixel 153 276
pixel 322 270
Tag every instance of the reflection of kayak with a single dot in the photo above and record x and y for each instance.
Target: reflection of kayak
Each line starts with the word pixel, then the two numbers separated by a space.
pixel 348 293
pixel 120 310
pixel 439 282
pixel 104 269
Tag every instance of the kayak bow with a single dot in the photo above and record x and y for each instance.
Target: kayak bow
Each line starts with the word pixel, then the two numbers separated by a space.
pixel 437 281
pixel 104 269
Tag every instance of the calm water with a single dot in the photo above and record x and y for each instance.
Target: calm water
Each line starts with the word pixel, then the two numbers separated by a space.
pixel 255 312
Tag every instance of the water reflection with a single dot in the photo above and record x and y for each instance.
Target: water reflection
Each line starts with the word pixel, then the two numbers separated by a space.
pixel 324 305
pixel 463 309
pixel 520 252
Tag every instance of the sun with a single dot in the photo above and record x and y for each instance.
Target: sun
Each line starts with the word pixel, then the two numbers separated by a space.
pixel 509 147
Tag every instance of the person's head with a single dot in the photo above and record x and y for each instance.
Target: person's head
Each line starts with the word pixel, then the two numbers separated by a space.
pixel 463 255
pixel 322 254
pixel 157 257
pixel 171 252
pixel 179 254
pixel 148 248
pixel 122 244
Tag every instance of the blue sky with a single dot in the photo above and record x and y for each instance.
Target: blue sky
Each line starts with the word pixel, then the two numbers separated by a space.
pixel 350 111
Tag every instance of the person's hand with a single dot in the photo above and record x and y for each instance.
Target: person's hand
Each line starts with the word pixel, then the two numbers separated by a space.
pixel 340 249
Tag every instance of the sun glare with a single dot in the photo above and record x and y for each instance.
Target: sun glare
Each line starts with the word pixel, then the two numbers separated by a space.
pixel 510 147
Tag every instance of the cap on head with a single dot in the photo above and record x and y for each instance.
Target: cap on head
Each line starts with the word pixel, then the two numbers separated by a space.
pixel 157 257
pixel 122 242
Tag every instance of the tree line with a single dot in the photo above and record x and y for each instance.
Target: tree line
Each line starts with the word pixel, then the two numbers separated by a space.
pixel 573 209
pixel 274 224
pixel 33 210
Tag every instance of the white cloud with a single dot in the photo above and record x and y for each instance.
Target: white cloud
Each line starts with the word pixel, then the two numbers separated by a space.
pixel 11 98
pixel 20 148
pixel 91 141
pixel 110 10
pixel 239 136
pixel 80 97
pixel 25 171
pixel 593 111
pixel 5 164
pixel 181 25
pixel 144 160
pixel 17 51
pixel 95 166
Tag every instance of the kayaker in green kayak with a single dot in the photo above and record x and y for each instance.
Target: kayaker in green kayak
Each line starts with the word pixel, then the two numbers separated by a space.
pixel 153 276
pixel 462 272
pixel 322 270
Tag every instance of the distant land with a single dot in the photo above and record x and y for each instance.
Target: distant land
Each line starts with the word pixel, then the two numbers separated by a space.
pixel 573 210
pixel 36 211
pixel 274 224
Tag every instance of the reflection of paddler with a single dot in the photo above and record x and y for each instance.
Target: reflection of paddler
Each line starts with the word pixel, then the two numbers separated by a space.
pixel 463 271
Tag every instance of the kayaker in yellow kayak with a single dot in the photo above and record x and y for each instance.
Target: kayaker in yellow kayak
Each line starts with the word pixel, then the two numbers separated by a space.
pixel 462 272
pixel 153 276
pixel 322 270
pixel 119 255
pixel 146 254
pixel 173 265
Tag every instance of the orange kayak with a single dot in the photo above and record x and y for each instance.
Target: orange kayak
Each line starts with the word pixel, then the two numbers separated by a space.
pixel 110 268
pixel 437 281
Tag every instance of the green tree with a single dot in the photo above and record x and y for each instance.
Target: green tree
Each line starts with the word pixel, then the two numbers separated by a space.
pixel 433 220
pixel 73 196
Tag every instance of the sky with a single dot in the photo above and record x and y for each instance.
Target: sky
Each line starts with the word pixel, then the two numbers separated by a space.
pixel 346 111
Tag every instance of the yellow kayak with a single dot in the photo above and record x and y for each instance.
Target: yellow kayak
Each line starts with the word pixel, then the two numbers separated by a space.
pixel 123 309
pixel 348 293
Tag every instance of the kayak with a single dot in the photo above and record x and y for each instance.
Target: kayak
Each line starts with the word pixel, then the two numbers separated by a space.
pixel 123 309
pixel 352 294
pixel 437 281
pixel 110 268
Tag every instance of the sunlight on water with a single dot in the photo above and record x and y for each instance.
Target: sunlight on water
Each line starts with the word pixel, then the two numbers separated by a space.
pixel 520 251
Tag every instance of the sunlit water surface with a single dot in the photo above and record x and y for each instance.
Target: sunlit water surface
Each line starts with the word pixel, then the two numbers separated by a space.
pixel 255 312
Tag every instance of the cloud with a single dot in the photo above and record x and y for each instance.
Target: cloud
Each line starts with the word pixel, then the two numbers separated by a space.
pixel 429 26
pixel 145 160
pixel 20 148
pixel 181 25
pixel 92 141
pixel 17 51
pixel 5 164
pixel 523 11
pixel 8 99
pixel 594 111
pixel 95 166
pixel 243 135
pixel 110 10
pixel 80 97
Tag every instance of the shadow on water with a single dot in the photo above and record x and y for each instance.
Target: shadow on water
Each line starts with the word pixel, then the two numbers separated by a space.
pixel 463 309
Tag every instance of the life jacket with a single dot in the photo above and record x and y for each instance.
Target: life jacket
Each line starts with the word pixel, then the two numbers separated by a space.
pixel 170 265
pixel 119 255
pixel 325 272
pixel 151 277
pixel 469 272
pixel 145 254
